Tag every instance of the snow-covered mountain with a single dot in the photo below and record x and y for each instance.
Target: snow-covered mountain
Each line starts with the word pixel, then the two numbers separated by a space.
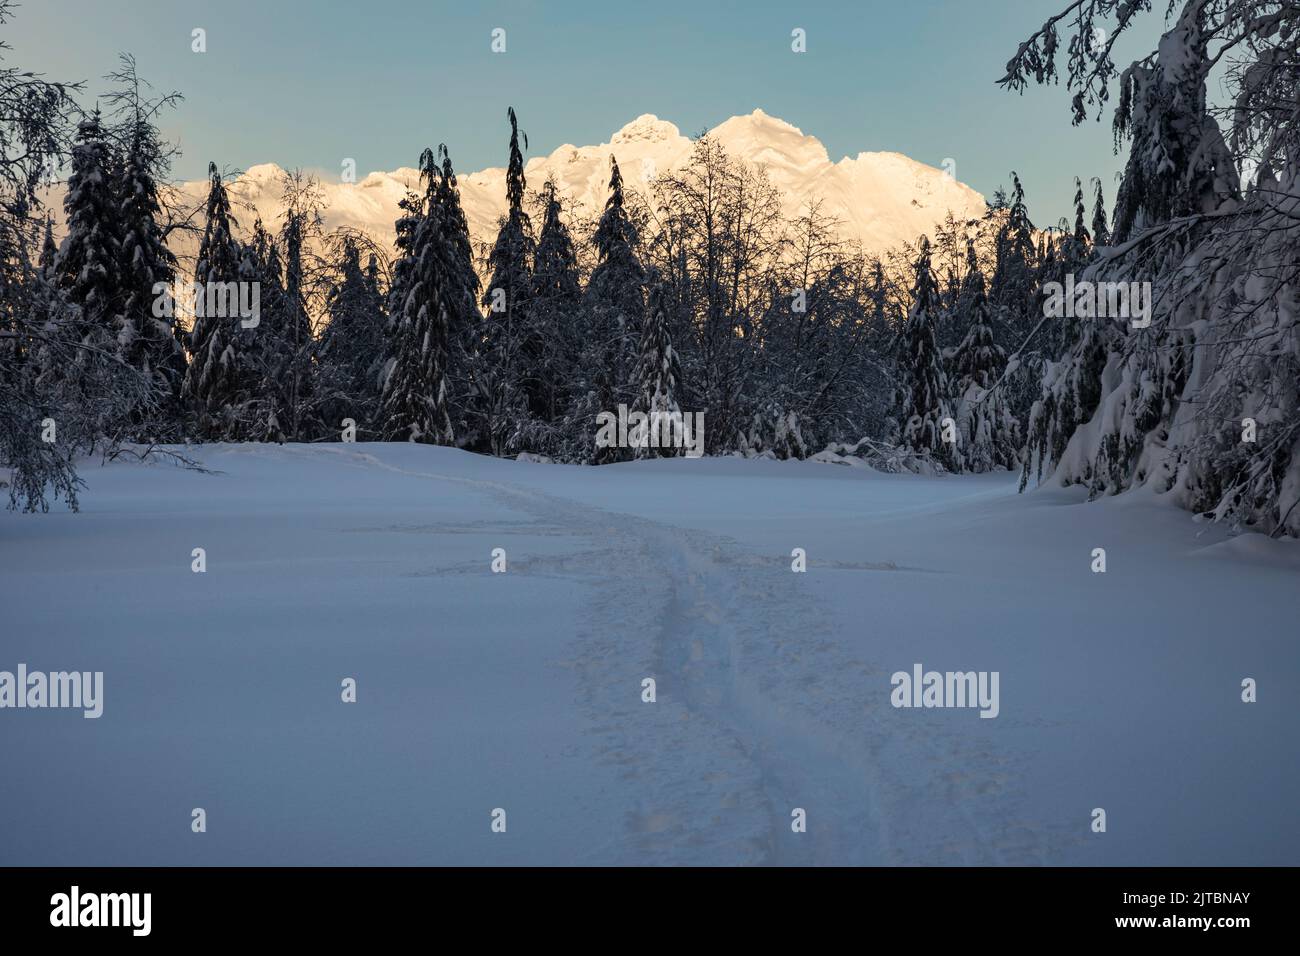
pixel 883 199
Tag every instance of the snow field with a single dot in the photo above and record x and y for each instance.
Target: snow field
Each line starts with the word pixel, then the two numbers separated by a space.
pixel 523 690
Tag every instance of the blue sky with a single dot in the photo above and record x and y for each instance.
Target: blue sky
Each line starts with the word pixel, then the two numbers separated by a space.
pixel 304 83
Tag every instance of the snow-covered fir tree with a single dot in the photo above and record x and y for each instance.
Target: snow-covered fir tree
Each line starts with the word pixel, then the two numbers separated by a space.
pixel 89 260
pixel 1012 294
pixel 1081 237
pixel 255 407
pixel 555 309
pixel 213 380
pixel 352 344
pixel 1013 285
pixel 924 405
pixel 465 331
pixel 990 434
pixel 415 401
pixel 655 377
pixel 1100 231
pixel 411 211
pixel 88 269
pixel 290 371
pixel 615 296
pixel 511 378
pixel 149 339
pixel 1179 164
pixel 49 251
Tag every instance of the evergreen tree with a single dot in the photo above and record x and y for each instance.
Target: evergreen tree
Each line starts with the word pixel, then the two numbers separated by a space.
pixel 1100 231
pixel 1178 162
pixel 511 260
pixel 213 379
pixel 1081 235
pixel 656 376
pixel 878 298
pixel 147 341
pixel 555 305
pixel 415 403
pixel 1013 295
pixel 88 271
pixel 925 386
pixel 291 370
pixel 1197 399
pixel 510 377
pixel 256 407
pixel 1012 287
pixel 615 305
pixel 989 432
pixel 412 211
pixel 88 261
pixel 49 251
pixel 463 282
pixel 466 322
pixel 353 342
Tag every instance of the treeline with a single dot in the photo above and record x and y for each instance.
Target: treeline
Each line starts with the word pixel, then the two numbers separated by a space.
pixel 692 293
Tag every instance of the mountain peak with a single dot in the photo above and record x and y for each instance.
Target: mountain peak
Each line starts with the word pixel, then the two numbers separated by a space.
pixel 768 140
pixel 263 172
pixel 646 128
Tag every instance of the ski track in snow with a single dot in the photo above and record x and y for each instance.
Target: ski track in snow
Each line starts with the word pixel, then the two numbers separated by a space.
pixel 758 711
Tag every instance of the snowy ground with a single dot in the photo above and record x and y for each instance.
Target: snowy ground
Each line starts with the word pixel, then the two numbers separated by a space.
pixel 522 690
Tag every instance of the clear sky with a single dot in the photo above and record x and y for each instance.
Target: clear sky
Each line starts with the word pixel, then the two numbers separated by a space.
pixel 303 83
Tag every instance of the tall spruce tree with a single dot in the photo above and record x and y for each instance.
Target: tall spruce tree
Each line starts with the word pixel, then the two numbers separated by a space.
pixel 1100 231
pixel 1012 287
pixel 465 332
pixel 615 302
pixel 415 403
pixel 924 405
pixel 1179 164
pixel 258 353
pixel 411 208
pixel 49 251
pixel 88 263
pixel 1013 295
pixel 352 343
pixel 1081 234
pixel 989 432
pixel 88 271
pixel 292 346
pixel 148 341
pixel 212 381
pixel 463 282
pixel 149 337
pixel 656 376
pixel 512 348
pixel 555 306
